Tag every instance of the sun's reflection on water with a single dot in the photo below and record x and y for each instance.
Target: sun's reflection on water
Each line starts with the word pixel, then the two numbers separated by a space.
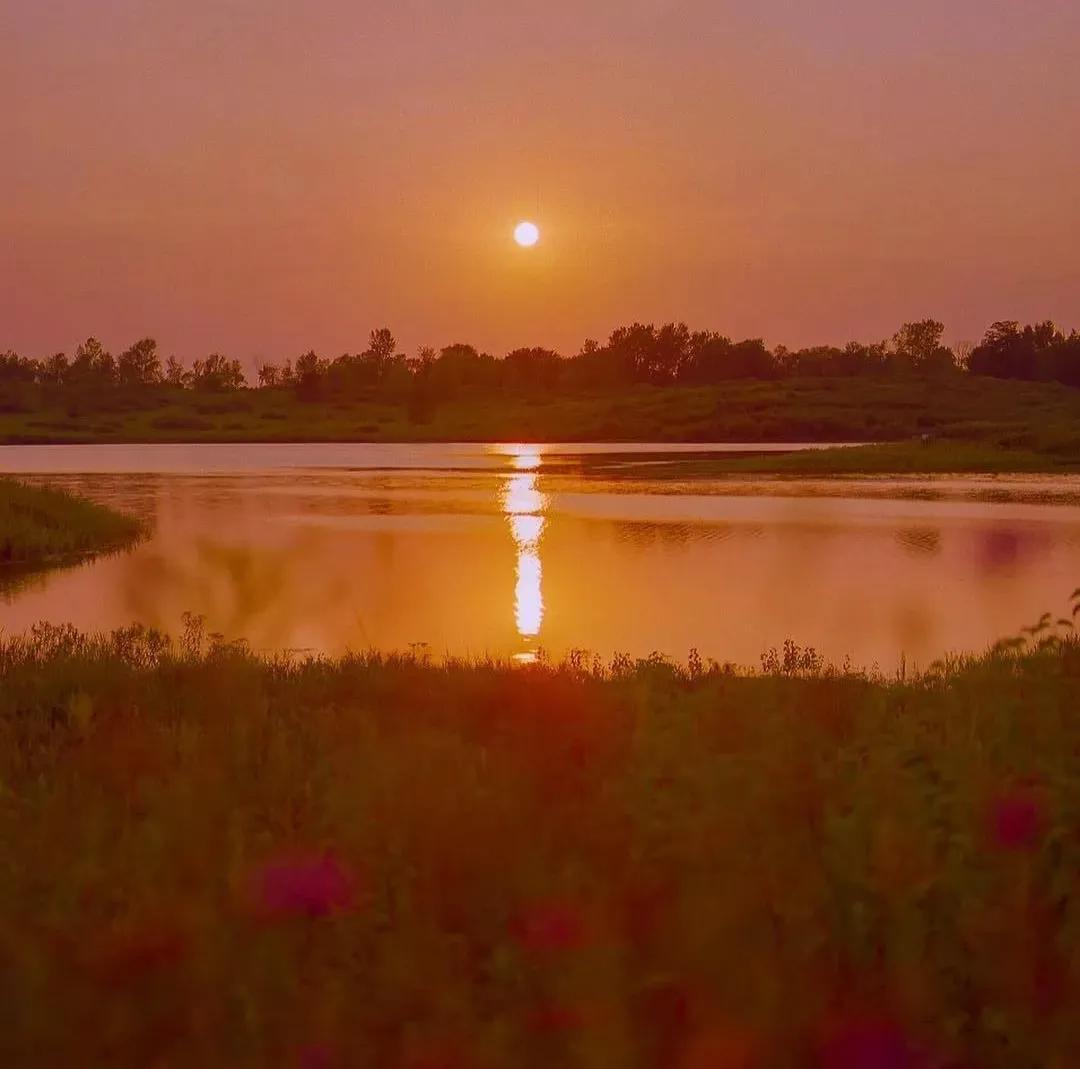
pixel 523 505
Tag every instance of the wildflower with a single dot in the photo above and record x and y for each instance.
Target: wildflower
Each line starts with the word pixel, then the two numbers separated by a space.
pixel 1017 820
pixel 312 885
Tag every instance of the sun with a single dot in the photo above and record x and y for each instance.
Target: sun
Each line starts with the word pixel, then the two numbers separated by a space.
pixel 526 234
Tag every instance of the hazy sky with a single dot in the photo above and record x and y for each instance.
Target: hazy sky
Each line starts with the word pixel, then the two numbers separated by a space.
pixel 264 176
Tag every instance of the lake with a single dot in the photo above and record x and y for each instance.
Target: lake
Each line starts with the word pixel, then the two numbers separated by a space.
pixel 509 550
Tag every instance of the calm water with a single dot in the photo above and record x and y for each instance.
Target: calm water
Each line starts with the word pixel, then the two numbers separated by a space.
pixel 477 549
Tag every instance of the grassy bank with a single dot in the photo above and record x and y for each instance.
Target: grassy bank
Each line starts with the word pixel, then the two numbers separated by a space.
pixel 40 526
pixel 938 456
pixel 1025 418
pixel 214 859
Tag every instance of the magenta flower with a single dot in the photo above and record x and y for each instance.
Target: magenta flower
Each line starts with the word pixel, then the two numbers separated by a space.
pixel 311 885
pixel 1017 820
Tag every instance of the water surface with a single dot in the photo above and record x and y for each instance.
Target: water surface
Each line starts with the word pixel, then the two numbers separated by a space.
pixel 504 550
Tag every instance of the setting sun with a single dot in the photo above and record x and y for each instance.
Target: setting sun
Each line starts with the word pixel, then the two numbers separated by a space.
pixel 526 234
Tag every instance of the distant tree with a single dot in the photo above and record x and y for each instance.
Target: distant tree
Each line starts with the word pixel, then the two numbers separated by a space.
pixel 15 368
pixel 828 360
pixel 54 369
pixel 1005 352
pixel 140 365
pixel 461 365
pixel 424 359
pixel 92 365
pixel 918 346
pixel 1036 351
pixel 380 368
pixel 715 358
pixel 421 397
pixel 962 354
pixel 533 369
pixel 1066 356
pixel 269 376
pixel 635 352
pixel 382 346
pixel 310 373
pixel 176 374
pixel 217 374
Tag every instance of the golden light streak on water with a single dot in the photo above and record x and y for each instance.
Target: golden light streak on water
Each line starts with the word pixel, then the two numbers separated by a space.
pixel 523 504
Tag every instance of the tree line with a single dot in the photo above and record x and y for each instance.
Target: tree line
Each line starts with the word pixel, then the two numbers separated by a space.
pixel 670 354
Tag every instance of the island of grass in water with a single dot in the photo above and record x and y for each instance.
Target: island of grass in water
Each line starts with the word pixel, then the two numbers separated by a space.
pixel 41 526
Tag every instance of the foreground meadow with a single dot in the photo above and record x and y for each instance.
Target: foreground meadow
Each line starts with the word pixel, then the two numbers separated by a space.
pixel 215 859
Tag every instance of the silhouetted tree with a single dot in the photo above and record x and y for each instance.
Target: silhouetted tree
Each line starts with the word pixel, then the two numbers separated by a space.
pixel 176 374
pixel 54 370
pixel 139 365
pixel 92 365
pixel 1010 352
pixel 310 375
pixel 532 369
pixel 15 368
pixel 268 376
pixel 217 374
pixel 918 346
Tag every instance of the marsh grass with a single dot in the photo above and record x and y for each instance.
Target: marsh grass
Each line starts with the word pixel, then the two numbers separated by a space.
pixel 41 526
pixel 215 858
pixel 889 458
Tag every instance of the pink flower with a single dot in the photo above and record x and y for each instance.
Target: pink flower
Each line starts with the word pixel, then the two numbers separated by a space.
pixel 1017 820
pixel 312 885
pixel 550 926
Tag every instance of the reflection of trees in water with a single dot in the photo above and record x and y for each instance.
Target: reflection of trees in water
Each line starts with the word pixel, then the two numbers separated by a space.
pixel 18 580
pixel 264 594
pixel 920 541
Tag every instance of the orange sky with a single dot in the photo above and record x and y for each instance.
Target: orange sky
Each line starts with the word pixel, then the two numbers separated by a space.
pixel 264 176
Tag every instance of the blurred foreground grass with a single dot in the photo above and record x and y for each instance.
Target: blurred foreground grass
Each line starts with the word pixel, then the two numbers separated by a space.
pixel 215 859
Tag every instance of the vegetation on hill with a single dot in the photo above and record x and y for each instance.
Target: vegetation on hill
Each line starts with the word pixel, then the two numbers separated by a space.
pixel 42 526
pixel 669 355
pixel 644 384
pixel 212 858
pixel 1018 418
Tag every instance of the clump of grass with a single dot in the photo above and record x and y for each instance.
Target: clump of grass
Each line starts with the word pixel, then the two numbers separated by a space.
pixel 944 456
pixel 216 858
pixel 42 526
